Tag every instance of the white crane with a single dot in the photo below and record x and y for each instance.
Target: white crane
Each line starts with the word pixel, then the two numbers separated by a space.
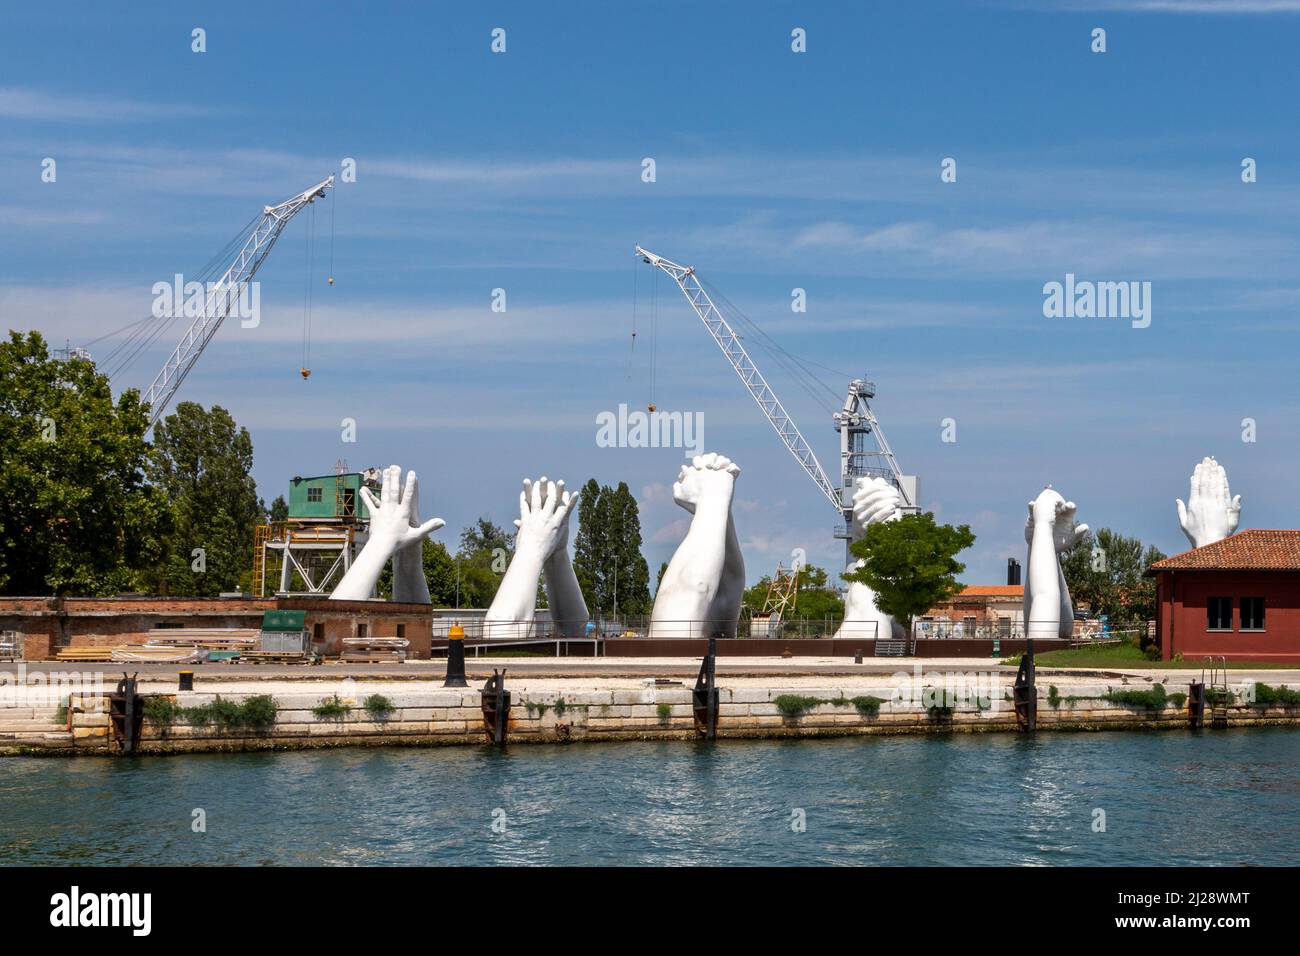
pixel 222 295
pixel 854 421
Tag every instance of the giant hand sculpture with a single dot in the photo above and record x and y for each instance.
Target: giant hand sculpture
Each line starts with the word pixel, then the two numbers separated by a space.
pixel 391 530
pixel 874 500
pixel 1049 530
pixel 541 548
pixel 1211 512
pixel 701 591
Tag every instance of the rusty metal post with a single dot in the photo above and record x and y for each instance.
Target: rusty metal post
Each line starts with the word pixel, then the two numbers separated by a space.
pixel 1026 693
pixel 496 706
pixel 705 697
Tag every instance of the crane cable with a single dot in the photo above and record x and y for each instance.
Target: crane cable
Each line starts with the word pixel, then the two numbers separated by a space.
pixel 305 370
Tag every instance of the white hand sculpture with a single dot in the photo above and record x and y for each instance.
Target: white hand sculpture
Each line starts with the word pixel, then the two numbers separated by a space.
pixel 409 583
pixel 543 521
pixel 1049 530
pixel 874 500
pixel 390 530
pixel 701 591
pixel 540 545
pixel 391 515
pixel 1059 515
pixel 706 475
pixel 1211 512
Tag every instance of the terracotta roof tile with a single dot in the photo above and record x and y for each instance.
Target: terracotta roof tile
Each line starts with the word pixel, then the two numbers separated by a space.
pixel 1259 549
pixel 992 590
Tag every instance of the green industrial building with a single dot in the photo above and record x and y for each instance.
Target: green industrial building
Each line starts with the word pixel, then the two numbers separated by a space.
pixel 328 498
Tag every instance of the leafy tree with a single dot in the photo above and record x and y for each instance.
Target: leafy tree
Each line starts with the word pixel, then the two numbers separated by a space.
pixel 439 571
pixel 76 513
pixel 279 509
pixel 202 463
pixel 607 550
pixel 485 553
pixel 910 563
pixel 1106 571
pixel 659 579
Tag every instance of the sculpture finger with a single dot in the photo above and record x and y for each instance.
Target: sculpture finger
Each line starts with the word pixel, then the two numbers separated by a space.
pixel 1182 513
pixel 368 497
pixel 430 526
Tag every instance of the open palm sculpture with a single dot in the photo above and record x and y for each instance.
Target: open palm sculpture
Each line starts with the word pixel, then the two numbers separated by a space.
pixel 1049 530
pixel 1211 512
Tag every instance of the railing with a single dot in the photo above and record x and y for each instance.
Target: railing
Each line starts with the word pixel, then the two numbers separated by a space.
pixel 476 629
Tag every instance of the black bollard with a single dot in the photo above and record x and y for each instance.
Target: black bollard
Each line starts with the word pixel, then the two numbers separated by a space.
pixel 455 657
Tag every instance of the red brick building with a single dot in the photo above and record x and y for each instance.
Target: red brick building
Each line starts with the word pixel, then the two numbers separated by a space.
pixel 45 625
pixel 1238 598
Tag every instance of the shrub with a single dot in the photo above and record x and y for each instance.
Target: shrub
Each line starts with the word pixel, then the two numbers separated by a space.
pixel 560 707
pixel 1178 699
pixel 665 711
pixel 1151 699
pixel 944 706
pixel 255 713
pixel 867 705
pixel 379 707
pixel 1053 696
pixel 1264 694
pixel 61 715
pixel 332 708
pixel 161 712
pixel 794 705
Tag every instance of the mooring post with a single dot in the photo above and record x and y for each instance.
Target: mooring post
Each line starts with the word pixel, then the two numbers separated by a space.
pixel 705 696
pixel 1026 694
pixel 455 657
pixel 496 706
pixel 1196 704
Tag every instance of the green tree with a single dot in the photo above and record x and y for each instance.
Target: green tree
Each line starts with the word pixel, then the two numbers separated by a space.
pixel 202 462
pixel 279 509
pixel 629 575
pixel 485 553
pixel 1106 571
pixel 439 572
pixel 76 513
pixel 607 551
pixel 910 564
pixel 589 545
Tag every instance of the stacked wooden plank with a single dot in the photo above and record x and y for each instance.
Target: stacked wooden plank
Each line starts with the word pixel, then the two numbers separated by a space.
pixel 85 654
pixel 157 653
pixel 375 650
pixel 208 638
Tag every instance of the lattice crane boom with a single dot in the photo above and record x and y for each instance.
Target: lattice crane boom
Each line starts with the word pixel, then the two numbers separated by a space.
pixel 725 336
pixel 222 295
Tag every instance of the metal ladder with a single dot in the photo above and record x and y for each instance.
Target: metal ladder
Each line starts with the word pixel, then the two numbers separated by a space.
pixel 1217 690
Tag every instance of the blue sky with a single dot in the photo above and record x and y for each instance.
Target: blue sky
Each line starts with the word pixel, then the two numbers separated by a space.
pixel 775 170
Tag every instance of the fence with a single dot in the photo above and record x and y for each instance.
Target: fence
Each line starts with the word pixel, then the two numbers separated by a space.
pixel 476 629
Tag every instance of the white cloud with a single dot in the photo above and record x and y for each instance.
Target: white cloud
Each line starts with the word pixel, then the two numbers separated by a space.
pixel 21 103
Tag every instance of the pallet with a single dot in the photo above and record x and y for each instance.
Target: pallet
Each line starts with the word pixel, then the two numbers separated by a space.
pixel 290 657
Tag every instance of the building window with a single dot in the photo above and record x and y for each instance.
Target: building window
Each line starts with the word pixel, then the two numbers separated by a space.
pixel 318 631
pixel 313 494
pixel 401 630
pixel 362 630
pixel 1252 614
pixel 1218 614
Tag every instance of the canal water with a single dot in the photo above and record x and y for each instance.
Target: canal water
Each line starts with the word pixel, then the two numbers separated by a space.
pixel 1224 797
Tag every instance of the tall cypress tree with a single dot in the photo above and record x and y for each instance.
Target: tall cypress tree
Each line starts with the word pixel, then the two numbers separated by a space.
pixel 589 545
pixel 633 574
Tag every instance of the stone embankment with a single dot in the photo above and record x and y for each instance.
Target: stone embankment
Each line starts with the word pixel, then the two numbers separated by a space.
pixel 318 711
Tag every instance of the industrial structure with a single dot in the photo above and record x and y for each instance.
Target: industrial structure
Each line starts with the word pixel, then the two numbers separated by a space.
pixel 864 450
pixel 308 553
pixel 224 294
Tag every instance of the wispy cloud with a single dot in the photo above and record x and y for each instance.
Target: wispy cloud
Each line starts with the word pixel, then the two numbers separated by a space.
pixel 24 103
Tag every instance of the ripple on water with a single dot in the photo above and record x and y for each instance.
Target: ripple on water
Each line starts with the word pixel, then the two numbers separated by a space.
pixel 935 800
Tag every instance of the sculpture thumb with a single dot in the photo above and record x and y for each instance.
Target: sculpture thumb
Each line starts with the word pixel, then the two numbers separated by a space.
pixel 1182 513
pixel 370 501
pixel 430 526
